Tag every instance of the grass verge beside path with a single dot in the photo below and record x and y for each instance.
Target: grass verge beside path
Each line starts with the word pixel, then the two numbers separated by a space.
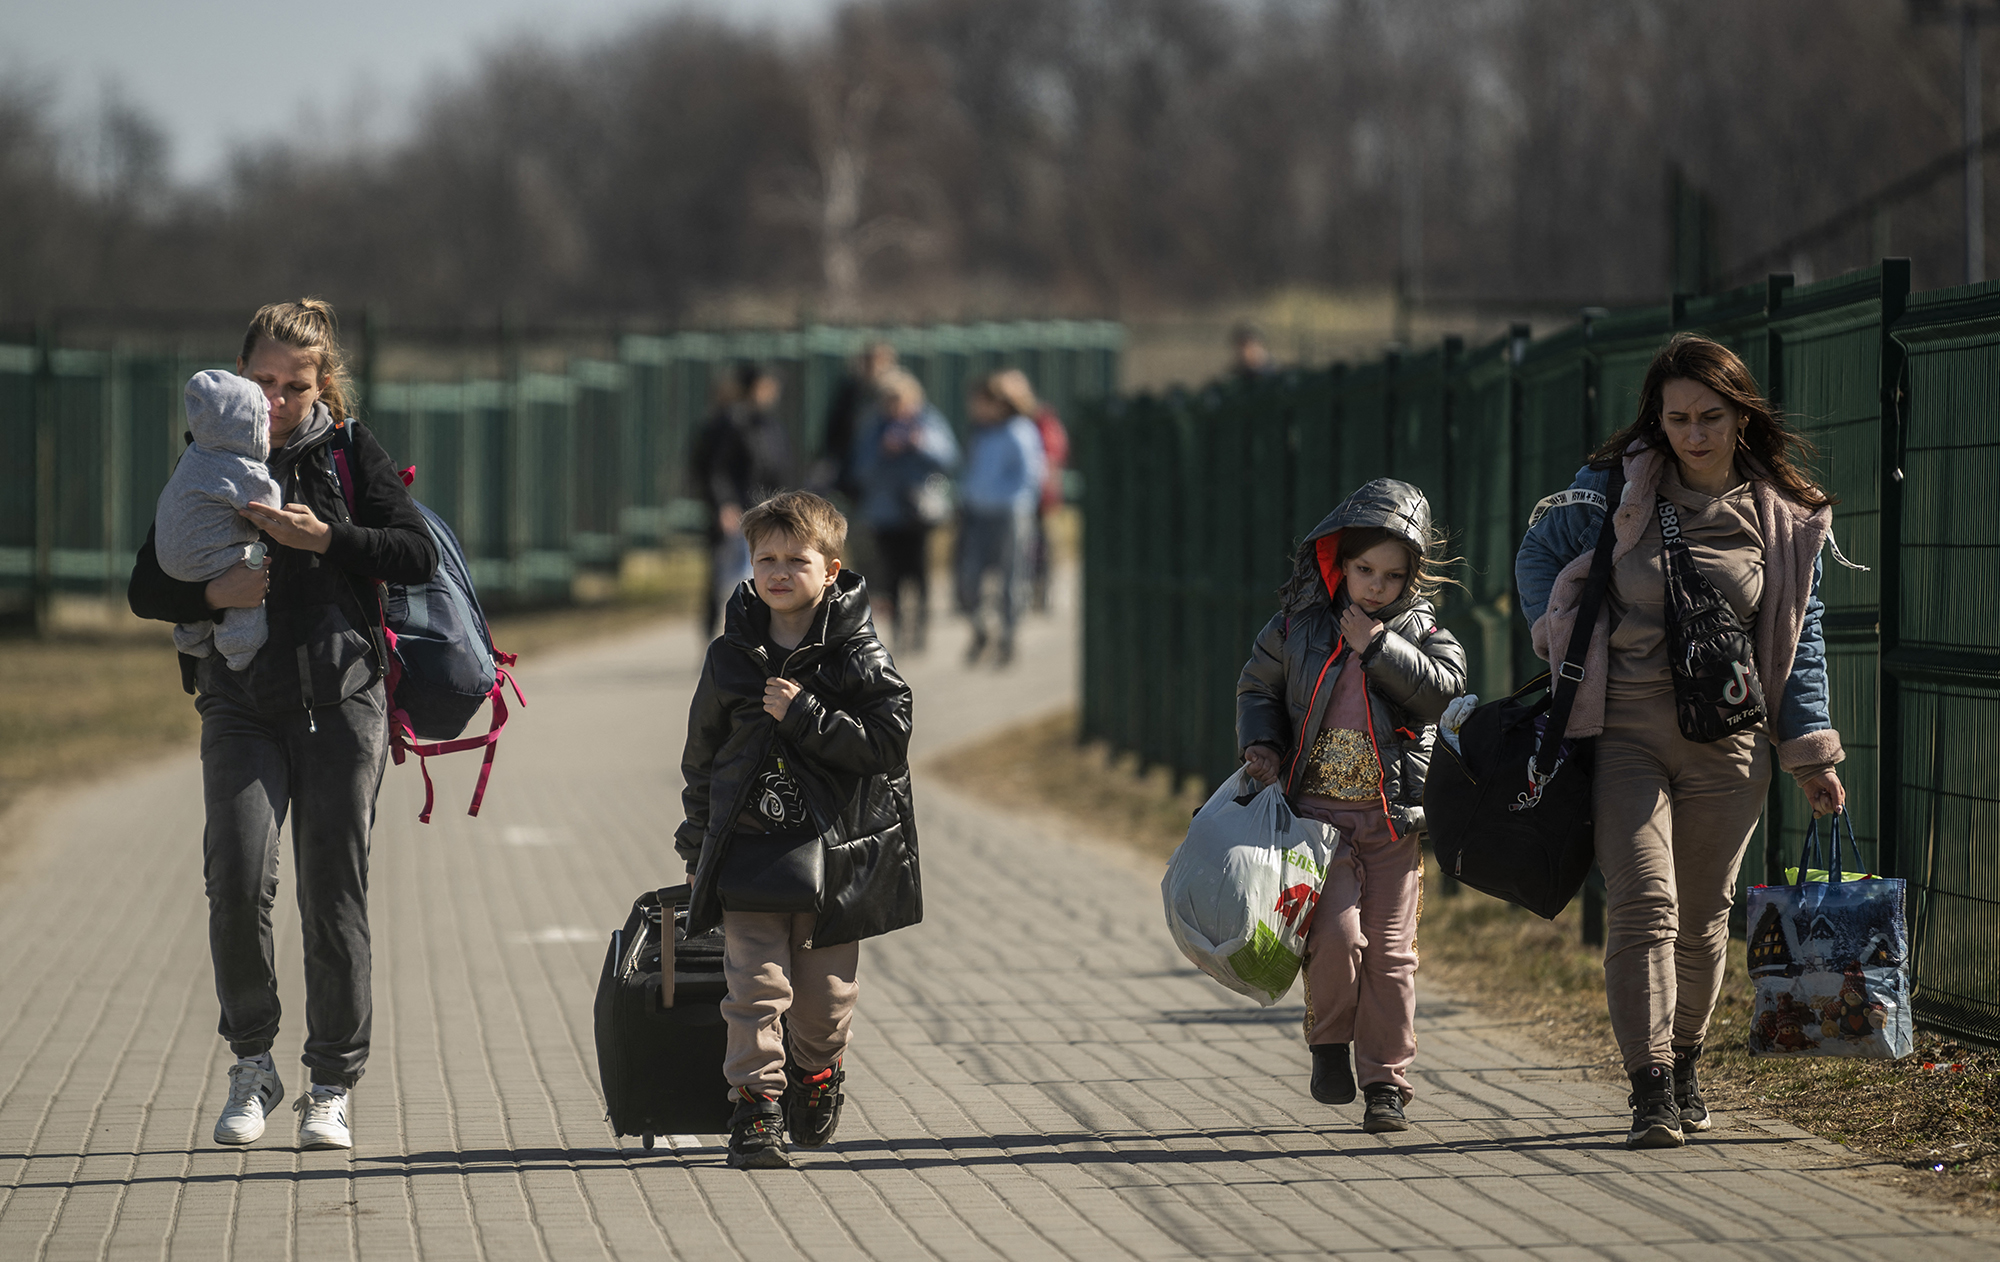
pixel 83 704
pixel 1933 1118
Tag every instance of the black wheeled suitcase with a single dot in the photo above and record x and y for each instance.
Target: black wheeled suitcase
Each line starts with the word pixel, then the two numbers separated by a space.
pixel 660 1047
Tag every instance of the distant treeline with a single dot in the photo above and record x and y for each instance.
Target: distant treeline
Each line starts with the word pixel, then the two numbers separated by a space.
pixel 947 157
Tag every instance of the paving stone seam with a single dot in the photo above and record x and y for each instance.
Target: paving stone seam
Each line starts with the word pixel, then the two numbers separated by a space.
pixel 161 960
pixel 486 874
pixel 930 1131
pixel 146 1107
pixel 447 1098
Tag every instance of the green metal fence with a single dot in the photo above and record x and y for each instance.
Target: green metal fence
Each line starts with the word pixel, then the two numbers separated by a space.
pixel 540 474
pixel 1195 502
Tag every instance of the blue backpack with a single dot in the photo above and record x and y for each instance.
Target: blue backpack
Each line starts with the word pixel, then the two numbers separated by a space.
pixel 442 663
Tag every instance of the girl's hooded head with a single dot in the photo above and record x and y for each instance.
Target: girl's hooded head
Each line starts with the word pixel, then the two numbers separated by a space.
pixel 1382 532
pixel 229 413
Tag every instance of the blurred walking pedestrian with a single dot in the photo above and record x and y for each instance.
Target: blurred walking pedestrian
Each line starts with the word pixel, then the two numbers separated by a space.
pixel 1055 455
pixel 854 404
pixel 1249 356
pixel 998 495
pixel 302 728
pixel 903 461
pixel 741 457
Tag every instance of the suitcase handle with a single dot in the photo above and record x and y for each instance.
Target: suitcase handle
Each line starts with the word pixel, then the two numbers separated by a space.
pixel 670 899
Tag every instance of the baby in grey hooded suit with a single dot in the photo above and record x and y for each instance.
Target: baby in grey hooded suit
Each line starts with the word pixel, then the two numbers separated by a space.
pixel 199 531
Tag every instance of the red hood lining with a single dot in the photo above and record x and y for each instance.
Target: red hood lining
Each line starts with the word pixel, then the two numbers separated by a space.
pixel 1327 549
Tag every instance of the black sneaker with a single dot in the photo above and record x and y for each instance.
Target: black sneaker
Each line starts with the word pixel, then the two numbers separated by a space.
pixel 1385 1108
pixel 812 1104
pixel 1333 1080
pixel 1687 1090
pixel 1656 1122
pixel 757 1133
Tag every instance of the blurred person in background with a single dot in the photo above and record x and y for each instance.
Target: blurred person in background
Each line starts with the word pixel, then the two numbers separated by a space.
pixel 998 496
pixel 1249 357
pixel 1055 455
pixel 853 406
pixel 741 457
pixel 903 461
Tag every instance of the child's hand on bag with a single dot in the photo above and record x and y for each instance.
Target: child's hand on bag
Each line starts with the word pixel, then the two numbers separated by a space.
pixel 778 694
pixel 1261 761
pixel 1825 793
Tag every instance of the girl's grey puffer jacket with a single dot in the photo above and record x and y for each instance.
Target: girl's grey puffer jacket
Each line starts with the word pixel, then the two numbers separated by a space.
pixel 1413 669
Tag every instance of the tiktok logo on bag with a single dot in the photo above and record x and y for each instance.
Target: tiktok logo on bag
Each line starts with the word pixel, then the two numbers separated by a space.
pixel 1738 692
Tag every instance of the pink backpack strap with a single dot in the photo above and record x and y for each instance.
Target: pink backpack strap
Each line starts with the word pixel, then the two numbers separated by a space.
pixel 341 465
pixel 405 739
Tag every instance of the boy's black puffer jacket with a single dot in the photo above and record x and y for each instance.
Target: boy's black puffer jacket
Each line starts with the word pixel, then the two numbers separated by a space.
pixel 1414 669
pixel 325 641
pixel 850 729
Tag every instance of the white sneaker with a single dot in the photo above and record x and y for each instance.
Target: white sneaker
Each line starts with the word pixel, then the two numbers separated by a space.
pixel 253 1092
pixel 323 1119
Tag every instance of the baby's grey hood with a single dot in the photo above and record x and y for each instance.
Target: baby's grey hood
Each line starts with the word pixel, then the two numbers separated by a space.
pixel 226 412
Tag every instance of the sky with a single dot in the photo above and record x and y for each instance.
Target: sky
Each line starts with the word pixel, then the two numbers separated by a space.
pixel 216 73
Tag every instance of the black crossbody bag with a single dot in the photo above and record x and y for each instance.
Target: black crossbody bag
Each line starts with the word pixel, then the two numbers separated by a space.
pixel 1714 658
pixel 784 867
pixel 1509 810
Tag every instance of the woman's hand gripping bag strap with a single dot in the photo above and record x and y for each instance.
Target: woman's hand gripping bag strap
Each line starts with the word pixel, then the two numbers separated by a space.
pixel 442 664
pixel 1240 891
pixel 1509 810
pixel 1829 960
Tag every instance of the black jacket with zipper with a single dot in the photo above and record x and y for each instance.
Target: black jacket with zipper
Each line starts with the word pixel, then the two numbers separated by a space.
pixel 1413 669
pixel 325 642
pixel 849 728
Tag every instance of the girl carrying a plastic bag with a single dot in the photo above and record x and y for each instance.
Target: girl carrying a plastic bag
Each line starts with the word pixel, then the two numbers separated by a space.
pixel 1338 704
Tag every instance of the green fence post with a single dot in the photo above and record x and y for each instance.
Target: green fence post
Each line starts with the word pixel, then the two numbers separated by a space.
pixel 1888 714
pixel 43 582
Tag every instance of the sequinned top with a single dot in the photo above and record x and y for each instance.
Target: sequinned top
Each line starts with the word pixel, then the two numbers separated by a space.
pixel 1342 763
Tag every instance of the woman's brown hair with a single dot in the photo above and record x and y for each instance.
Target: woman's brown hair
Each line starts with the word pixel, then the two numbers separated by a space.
pixel 1691 357
pixel 307 325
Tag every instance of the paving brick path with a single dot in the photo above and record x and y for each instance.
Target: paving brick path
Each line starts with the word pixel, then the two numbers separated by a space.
pixel 1036 1074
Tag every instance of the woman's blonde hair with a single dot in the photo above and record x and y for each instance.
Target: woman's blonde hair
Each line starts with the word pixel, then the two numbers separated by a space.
pixel 308 325
pixel 902 387
pixel 1011 386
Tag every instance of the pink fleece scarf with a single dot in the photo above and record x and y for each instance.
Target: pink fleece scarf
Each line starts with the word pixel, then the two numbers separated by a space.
pixel 1793 535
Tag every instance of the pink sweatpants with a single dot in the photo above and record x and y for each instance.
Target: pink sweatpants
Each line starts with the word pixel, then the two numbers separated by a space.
pixel 780 986
pixel 1361 952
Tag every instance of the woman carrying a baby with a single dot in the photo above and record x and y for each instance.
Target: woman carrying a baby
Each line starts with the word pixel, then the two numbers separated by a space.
pixel 256 556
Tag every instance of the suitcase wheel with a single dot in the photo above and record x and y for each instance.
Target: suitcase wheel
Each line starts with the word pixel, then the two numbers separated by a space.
pixel 646 1140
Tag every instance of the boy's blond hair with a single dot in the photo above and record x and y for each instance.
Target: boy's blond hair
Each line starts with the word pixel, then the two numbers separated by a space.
pixel 802 515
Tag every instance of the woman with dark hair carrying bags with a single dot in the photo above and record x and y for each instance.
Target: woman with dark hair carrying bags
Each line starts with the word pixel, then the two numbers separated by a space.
pixel 1710 636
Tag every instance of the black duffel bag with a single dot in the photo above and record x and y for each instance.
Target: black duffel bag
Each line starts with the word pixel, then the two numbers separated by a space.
pixel 1509 810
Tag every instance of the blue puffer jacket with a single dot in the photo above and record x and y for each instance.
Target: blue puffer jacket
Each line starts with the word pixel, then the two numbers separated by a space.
pixel 1564 528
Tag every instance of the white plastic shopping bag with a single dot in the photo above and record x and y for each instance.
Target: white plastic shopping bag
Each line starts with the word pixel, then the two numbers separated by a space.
pixel 1241 889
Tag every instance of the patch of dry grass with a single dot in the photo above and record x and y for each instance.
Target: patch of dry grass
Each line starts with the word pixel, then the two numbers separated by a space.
pixel 1940 1127
pixel 83 704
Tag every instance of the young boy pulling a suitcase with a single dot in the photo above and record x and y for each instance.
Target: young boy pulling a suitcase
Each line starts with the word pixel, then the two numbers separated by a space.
pixel 796 768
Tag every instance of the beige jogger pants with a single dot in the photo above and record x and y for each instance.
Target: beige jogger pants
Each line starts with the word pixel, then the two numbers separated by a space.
pixel 1672 820
pixel 778 985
